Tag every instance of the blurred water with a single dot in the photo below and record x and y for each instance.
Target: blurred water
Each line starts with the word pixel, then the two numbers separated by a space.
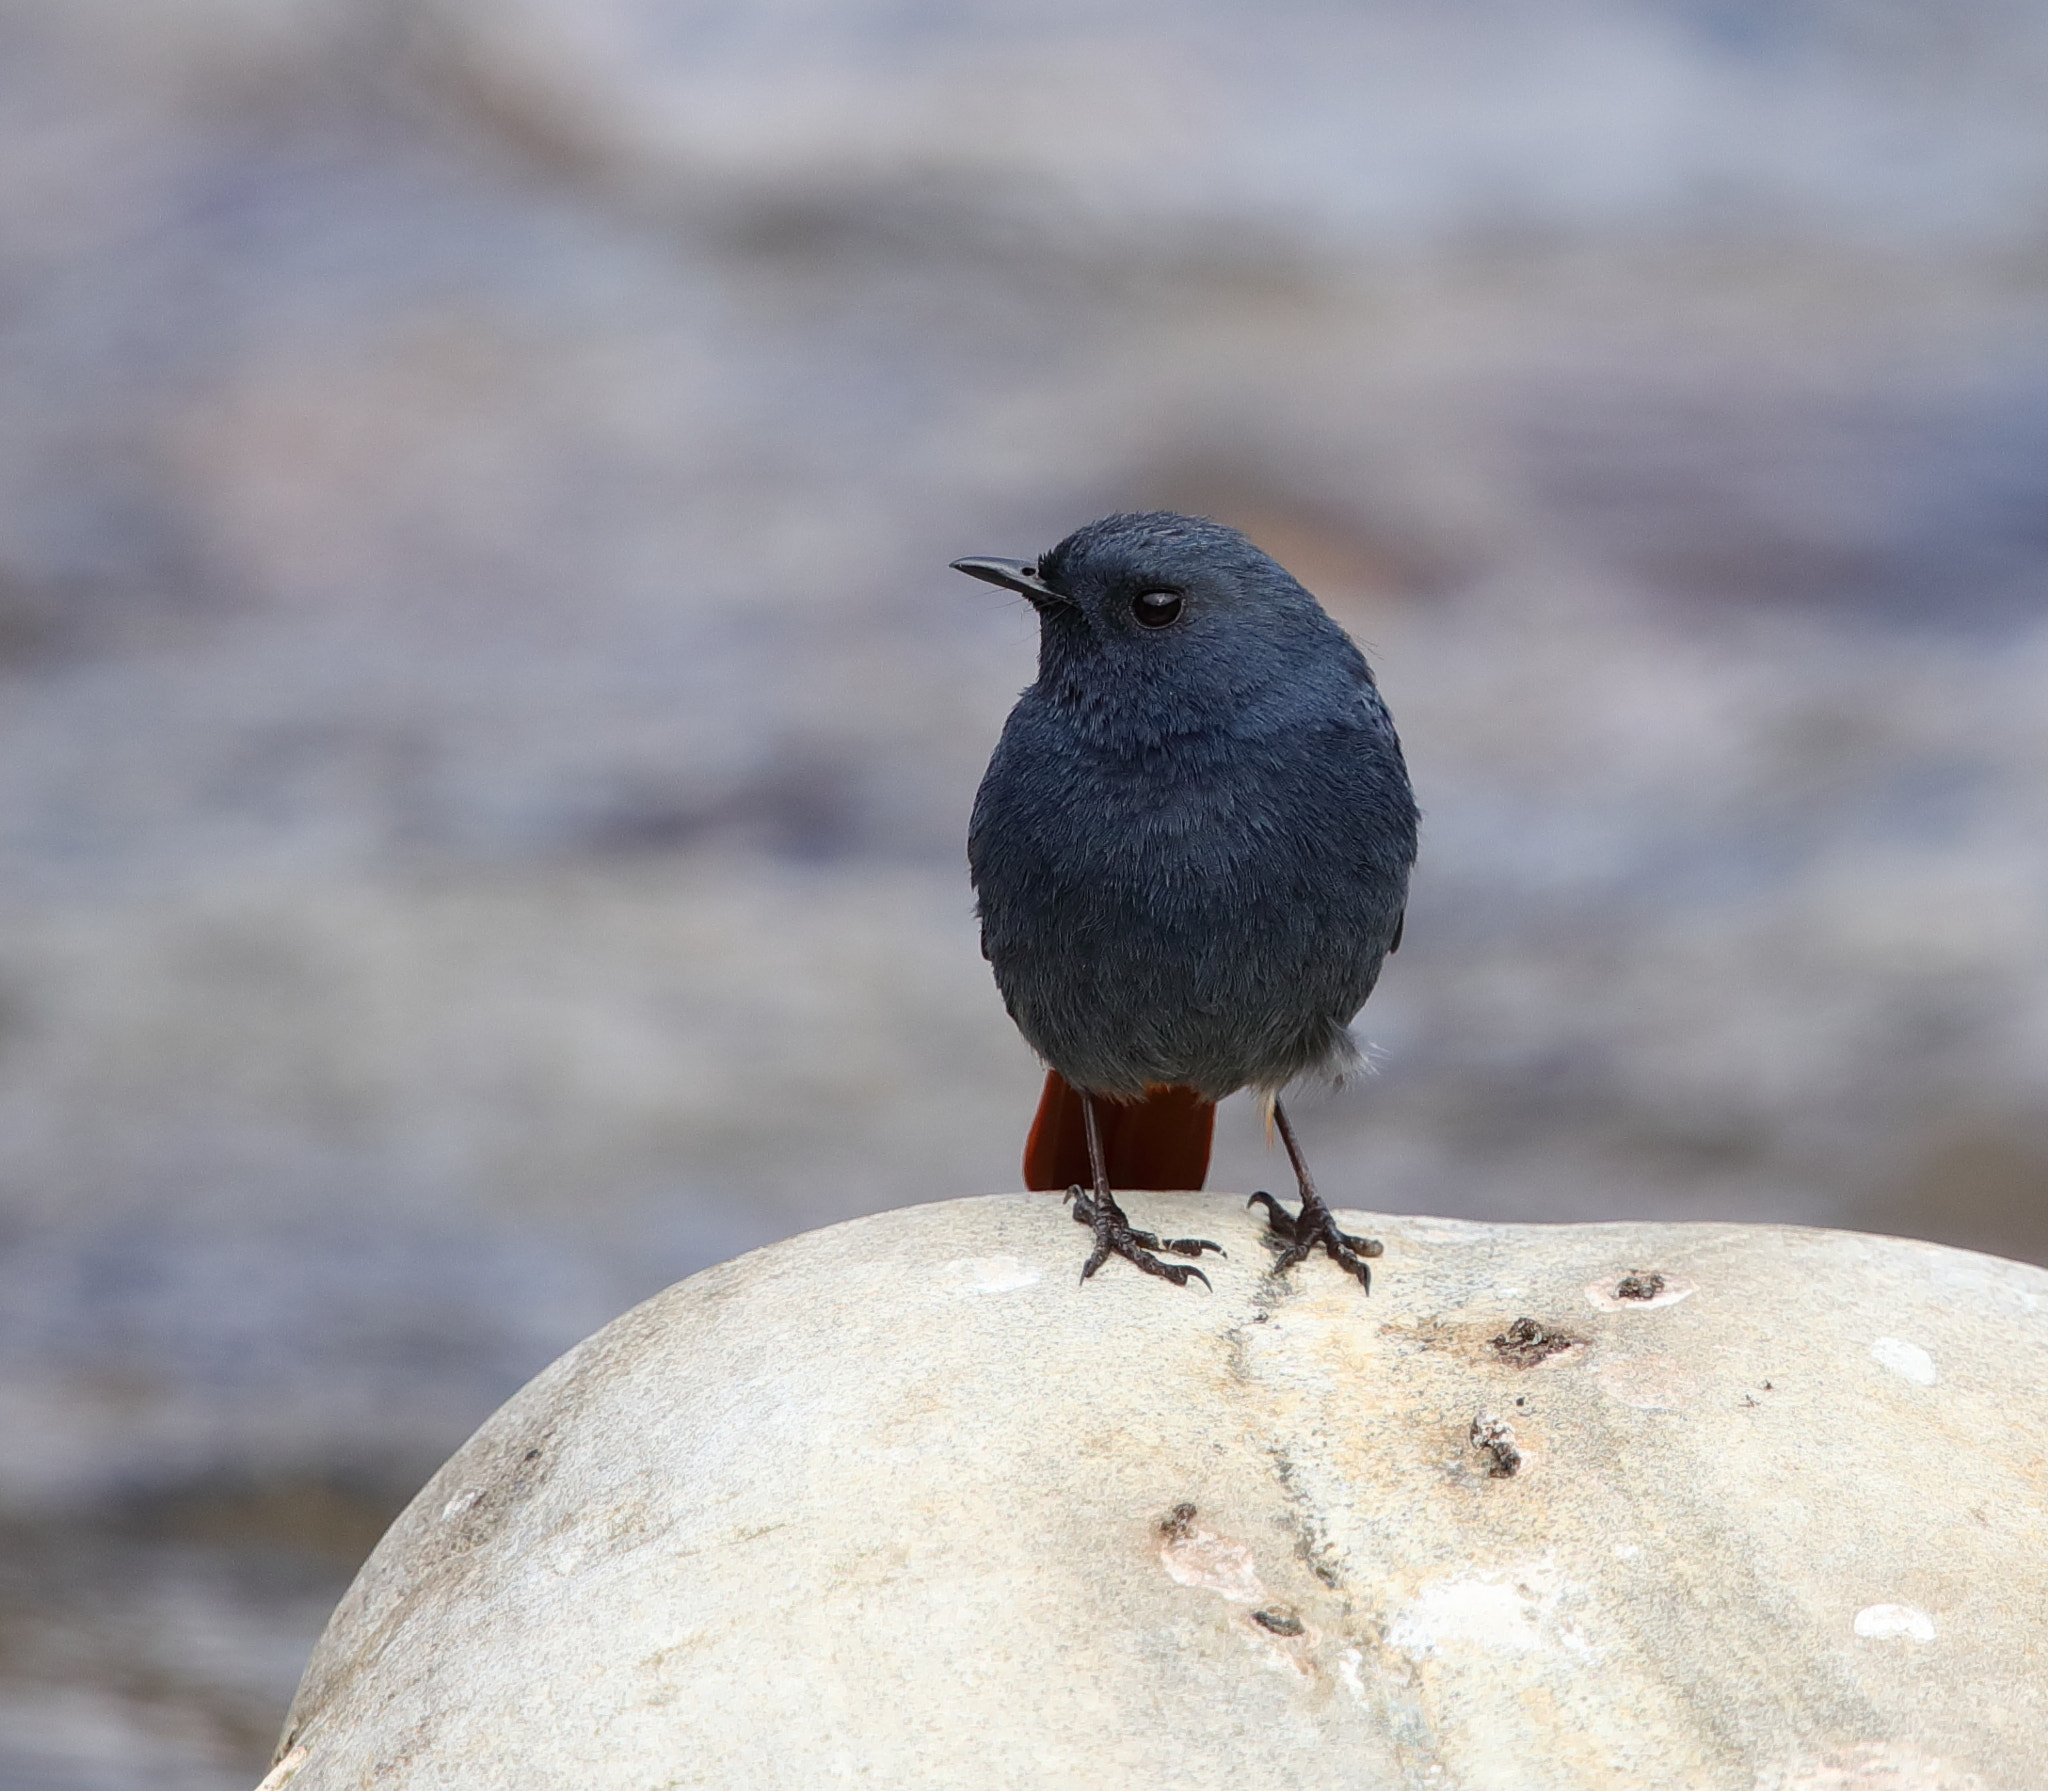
pixel 486 731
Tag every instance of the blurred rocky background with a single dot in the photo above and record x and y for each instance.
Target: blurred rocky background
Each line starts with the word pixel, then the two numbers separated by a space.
pixel 486 730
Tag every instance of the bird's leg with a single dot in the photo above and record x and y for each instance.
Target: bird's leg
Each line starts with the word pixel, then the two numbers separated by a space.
pixel 1113 1234
pixel 1314 1224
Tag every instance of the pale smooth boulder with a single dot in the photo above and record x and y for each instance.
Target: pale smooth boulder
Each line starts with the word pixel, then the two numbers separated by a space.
pixel 905 1503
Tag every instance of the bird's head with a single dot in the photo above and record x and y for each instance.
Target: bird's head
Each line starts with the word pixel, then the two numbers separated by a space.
pixel 1174 623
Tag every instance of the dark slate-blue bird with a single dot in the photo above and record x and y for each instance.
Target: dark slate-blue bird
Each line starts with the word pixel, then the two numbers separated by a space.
pixel 1191 851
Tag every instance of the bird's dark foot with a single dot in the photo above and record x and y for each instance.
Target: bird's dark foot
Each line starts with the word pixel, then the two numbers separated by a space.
pixel 1313 1225
pixel 1114 1237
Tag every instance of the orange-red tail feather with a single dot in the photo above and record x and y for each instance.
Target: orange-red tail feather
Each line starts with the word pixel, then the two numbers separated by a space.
pixel 1159 1142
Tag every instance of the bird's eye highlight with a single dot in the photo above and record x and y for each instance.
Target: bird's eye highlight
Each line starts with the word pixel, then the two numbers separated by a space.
pixel 1155 609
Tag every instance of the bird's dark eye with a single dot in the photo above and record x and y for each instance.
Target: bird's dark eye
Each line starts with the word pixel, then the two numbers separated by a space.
pixel 1156 608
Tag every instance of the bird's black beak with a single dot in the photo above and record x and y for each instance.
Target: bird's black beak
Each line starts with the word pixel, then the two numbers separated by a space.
pixel 1012 575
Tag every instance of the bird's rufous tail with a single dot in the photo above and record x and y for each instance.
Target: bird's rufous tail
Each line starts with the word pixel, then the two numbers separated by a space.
pixel 1159 1142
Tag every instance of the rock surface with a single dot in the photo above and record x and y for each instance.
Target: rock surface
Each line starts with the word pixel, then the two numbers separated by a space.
pixel 904 1502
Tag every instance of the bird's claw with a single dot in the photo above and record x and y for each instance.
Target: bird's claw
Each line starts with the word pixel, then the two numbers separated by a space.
pixel 1114 1237
pixel 1313 1225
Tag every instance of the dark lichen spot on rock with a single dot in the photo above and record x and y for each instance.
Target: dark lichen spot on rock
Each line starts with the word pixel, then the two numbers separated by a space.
pixel 1495 1438
pixel 1178 1523
pixel 1525 1343
pixel 1639 1284
pixel 1281 1623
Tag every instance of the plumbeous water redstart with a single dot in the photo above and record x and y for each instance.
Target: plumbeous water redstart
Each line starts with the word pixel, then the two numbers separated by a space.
pixel 1191 850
